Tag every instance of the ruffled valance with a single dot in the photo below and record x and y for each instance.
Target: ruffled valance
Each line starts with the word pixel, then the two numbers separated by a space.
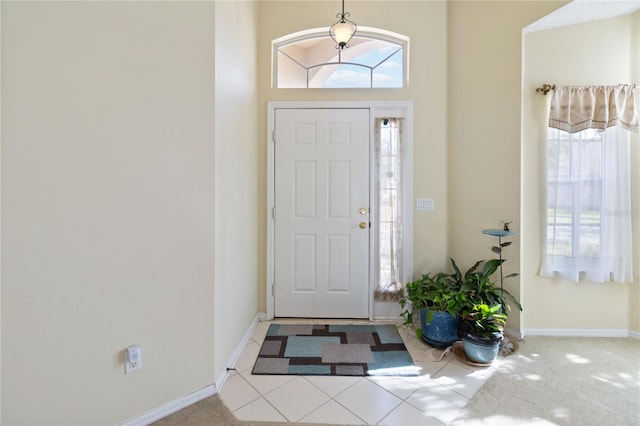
pixel 576 108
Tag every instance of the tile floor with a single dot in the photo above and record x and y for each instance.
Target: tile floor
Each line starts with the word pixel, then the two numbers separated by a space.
pixel 435 397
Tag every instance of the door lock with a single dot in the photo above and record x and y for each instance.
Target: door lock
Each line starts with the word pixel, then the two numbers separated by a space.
pixel 363 210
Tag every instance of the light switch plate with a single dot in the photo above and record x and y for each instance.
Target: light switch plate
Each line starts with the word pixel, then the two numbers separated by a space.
pixel 425 204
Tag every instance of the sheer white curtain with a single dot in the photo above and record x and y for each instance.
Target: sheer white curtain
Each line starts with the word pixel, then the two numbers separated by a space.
pixel 388 142
pixel 588 209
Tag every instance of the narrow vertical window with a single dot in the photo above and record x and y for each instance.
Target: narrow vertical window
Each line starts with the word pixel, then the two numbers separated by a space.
pixel 388 142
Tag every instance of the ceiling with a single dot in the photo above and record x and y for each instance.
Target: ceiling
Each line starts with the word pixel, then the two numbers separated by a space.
pixel 579 11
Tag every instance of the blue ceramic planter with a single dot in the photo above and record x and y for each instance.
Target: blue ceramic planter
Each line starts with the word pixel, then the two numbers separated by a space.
pixel 481 351
pixel 441 331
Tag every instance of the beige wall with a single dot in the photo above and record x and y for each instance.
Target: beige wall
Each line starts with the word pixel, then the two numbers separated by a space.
pixel 236 191
pixel 108 203
pixel 484 147
pixel 567 56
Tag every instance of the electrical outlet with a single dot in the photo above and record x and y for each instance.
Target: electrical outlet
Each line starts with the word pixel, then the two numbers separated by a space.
pixel 132 359
pixel 425 204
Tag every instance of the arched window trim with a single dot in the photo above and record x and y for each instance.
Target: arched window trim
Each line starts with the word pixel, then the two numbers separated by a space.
pixel 364 32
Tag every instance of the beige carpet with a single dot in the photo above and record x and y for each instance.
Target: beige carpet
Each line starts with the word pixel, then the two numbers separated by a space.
pixel 549 381
pixel 210 411
pixel 562 381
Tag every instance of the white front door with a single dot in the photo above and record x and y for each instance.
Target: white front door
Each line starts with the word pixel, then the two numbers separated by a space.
pixel 321 234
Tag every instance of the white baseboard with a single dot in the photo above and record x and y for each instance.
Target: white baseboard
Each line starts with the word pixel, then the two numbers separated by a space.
pixel 577 332
pixel 634 334
pixel 224 374
pixel 171 407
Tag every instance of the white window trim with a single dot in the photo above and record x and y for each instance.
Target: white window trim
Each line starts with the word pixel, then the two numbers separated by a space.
pixel 378 109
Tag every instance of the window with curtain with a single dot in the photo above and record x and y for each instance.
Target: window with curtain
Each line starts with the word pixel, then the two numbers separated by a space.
pixel 388 143
pixel 588 184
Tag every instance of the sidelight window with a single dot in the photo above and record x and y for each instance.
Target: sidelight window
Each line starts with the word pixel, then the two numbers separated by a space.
pixel 389 185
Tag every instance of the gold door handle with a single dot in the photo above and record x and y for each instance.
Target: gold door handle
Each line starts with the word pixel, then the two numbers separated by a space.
pixel 363 225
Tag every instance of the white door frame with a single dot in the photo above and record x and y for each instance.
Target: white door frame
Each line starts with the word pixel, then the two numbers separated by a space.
pixel 378 109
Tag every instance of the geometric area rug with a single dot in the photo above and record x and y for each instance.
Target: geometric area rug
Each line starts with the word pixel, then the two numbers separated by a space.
pixel 334 350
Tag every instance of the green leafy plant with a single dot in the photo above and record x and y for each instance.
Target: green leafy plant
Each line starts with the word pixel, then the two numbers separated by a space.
pixel 437 292
pixel 456 293
pixel 476 283
pixel 485 321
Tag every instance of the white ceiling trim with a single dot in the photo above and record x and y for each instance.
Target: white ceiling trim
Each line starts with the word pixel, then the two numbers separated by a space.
pixel 579 11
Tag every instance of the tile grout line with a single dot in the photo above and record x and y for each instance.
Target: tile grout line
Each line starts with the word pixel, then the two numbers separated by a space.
pixel 249 402
pixel 262 396
pixel 389 412
pixel 333 398
pixel 401 399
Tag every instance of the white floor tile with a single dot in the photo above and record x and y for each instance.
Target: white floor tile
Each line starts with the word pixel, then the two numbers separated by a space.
pixel 430 368
pixel 296 399
pixel 465 382
pixel 259 410
pixel 407 415
pixel 368 401
pixel 438 401
pixel 333 385
pixel 265 384
pixel 332 413
pixel 260 332
pixel 248 357
pixel 401 387
pixel 236 392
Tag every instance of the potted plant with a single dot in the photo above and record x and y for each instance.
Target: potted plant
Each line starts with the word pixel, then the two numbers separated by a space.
pixel 482 332
pixel 478 286
pixel 450 298
pixel 438 300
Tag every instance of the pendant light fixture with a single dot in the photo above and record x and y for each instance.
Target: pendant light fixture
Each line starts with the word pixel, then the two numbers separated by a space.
pixel 343 30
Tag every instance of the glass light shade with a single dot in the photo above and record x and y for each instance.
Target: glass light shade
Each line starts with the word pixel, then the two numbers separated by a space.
pixel 342 32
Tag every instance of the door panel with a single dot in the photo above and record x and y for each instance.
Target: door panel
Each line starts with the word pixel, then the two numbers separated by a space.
pixel 321 184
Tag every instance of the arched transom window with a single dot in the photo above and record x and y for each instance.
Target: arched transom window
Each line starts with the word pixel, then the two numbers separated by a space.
pixel 309 59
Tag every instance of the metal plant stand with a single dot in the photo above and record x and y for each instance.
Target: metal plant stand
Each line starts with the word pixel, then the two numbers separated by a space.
pixel 510 343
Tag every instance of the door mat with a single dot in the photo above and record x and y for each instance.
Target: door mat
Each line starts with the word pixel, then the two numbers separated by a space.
pixel 334 350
